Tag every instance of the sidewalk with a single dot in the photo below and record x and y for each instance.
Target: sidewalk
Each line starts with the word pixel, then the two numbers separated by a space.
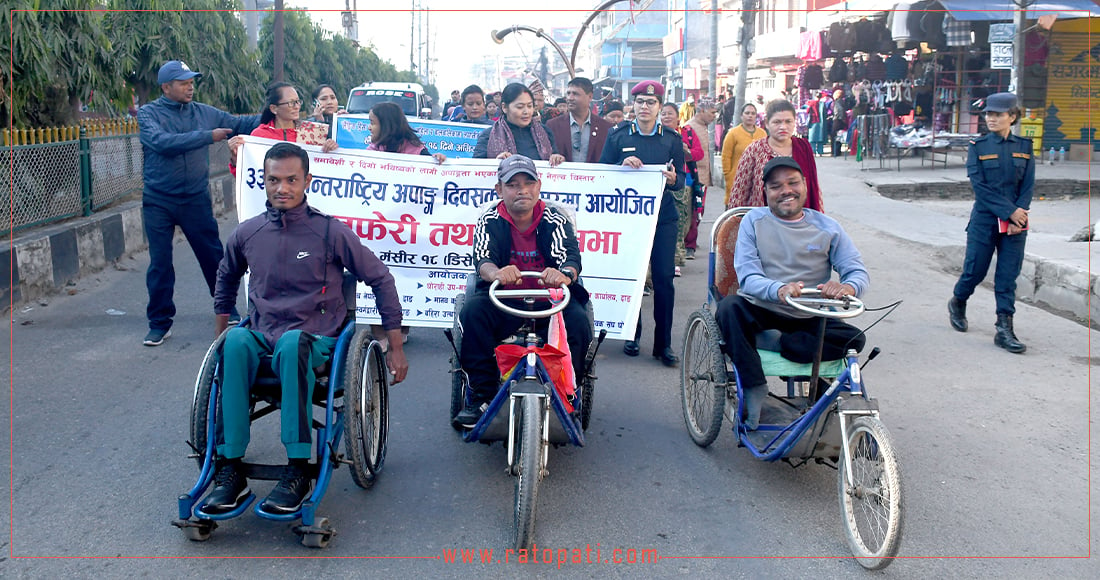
pixel 931 207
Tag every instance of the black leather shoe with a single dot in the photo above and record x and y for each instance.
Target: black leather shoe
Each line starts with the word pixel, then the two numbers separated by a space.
pixel 668 358
pixel 290 493
pixel 230 489
pixel 631 348
pixel 956 311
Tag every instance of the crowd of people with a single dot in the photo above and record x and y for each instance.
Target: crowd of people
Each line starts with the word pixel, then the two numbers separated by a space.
pixel 764 163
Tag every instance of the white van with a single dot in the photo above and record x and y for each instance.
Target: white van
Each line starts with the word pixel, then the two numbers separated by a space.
pixel 410 96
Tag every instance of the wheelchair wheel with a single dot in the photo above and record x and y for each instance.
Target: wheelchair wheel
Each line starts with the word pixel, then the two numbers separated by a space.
pixel 703 378
pixel 870 504
pixel 532 448
pixel 200 403
pixel 458 378
pixel 588 385
pixel 366 413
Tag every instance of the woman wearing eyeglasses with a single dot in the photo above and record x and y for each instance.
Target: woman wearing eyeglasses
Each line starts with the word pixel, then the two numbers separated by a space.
pixel 279 120
pixel 518 130
pixel 748 185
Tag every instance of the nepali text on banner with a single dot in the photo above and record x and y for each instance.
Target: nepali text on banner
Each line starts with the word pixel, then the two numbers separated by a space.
pixel 450 139
pixel 418 217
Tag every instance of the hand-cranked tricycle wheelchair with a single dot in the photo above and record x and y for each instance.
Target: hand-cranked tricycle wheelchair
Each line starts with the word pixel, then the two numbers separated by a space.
pixel 537 413
pixel 352 389
pixel 835 423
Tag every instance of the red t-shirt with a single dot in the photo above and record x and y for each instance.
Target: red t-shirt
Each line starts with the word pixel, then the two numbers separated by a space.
pixel 525 252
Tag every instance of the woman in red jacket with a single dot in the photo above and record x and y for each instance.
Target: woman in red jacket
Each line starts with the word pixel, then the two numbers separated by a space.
pixel 279 121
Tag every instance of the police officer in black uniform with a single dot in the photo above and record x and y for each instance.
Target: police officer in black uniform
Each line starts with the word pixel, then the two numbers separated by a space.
pixel 1002 173
pixel 644 142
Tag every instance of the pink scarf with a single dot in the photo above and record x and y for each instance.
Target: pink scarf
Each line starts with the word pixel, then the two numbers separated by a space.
pixel 500 139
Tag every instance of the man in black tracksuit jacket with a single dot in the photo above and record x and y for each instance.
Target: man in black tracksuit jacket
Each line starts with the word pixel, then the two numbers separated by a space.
pixel 549 246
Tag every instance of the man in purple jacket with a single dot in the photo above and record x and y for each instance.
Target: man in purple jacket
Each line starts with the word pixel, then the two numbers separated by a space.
pixel 295 256
pixel 580 135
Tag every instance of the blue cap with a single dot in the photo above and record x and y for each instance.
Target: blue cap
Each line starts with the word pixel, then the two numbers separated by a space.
pixel 175 70
pixel 1000 102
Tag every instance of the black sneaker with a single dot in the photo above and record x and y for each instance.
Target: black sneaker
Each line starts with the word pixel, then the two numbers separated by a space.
pixel 471 414
pixel 156 336
pixel 230 490
pixel 290 493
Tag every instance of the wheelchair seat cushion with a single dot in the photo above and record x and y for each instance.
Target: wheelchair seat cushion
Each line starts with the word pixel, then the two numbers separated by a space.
pixel 774 365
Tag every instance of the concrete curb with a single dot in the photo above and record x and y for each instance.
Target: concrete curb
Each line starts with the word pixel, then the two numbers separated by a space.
pixel 948 188
pixel 43 261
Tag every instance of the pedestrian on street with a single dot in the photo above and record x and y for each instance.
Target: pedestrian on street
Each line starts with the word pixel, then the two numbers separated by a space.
pixel 748 184
pixel 280 121
pixel 579 135
pixel 472 109
pixel 644 141
pixel 175 133
pixel 518 130
pixel 737 140
pixel 693 152
pixel 1002 174
pixel 325 106
pixel 293 254
pixel 706 111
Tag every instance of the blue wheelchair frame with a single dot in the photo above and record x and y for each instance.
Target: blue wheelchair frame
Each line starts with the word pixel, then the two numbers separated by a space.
pixel 328 437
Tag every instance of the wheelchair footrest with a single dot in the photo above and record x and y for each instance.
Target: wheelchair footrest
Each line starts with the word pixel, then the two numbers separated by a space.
pixel 273 472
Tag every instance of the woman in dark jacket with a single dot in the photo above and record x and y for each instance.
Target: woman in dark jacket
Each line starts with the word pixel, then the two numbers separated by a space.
pixel 517 130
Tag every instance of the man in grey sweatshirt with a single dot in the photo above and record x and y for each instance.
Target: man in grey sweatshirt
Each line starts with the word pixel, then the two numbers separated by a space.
pixel 780 249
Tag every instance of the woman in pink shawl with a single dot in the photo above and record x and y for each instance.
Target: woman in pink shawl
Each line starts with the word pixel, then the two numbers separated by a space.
pixel 748 185
pixel 518 130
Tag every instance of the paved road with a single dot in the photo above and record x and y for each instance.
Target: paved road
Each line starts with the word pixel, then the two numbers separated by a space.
pixel 994 449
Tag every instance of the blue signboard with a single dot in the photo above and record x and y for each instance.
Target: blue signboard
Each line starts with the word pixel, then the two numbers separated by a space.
pixel 451 139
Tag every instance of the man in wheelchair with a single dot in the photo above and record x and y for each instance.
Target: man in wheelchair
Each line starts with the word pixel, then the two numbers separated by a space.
pixel 521 233
pixel 295 256
pixel 780 248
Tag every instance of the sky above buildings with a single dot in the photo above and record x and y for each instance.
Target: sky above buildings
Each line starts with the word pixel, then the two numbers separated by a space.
pixel 460 31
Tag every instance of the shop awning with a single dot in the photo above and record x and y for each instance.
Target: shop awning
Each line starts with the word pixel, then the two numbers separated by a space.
pixel 1006 9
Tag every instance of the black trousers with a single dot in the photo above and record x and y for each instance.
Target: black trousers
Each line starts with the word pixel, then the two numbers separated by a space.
pixel 484 326
pixel 982 239
pixel 740 321
pixel 662 264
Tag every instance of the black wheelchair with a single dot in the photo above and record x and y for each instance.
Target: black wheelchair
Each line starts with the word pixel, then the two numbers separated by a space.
pixel 352 390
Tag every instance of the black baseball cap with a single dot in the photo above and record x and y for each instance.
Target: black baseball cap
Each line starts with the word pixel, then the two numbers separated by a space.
pixel 780 162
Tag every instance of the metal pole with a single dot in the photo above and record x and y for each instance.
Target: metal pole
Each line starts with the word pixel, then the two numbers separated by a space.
pixel 1020 18
pixel 712 88
pixel 748 27
pixel 498 37
pixel 412 35
pixel 280 42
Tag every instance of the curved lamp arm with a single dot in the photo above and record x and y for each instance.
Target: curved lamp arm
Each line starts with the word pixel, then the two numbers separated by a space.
pixel 587 21
pixel 498 37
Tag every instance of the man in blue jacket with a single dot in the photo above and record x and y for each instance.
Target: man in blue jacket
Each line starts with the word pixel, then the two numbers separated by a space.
pixel 175 133
pixel 780 249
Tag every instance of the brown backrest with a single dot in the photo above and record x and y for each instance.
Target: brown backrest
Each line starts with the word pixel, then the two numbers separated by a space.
pixel 723 243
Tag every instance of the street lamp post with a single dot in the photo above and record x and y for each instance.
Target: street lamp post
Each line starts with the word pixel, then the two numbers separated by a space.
pixel 498 37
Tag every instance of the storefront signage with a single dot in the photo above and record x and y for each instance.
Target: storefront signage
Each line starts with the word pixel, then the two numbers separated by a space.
pixel 1000 55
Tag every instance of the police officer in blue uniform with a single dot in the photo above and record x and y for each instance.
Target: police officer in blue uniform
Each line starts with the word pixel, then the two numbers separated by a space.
pixel 644 142
pixel 1002 172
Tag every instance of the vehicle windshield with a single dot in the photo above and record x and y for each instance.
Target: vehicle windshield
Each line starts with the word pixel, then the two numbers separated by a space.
pixel 362 100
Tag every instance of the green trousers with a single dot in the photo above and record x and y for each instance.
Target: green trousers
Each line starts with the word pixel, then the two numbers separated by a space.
pixel 294 357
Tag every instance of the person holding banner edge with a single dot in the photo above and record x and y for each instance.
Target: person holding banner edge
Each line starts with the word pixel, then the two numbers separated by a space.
pixel 644 142
pixel 521 233
pixel 518 130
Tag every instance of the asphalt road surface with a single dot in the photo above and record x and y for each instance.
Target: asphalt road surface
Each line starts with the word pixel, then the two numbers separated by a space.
pixel 994 451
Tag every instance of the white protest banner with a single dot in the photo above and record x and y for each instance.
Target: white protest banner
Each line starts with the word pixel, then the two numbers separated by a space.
pixel 418 217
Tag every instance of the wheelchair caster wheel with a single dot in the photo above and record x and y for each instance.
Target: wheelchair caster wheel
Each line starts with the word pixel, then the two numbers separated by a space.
pixel 316 536
pixel 196 531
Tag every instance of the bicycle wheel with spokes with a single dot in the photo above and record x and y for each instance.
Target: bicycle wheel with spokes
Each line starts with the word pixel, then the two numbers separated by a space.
pixel 870 504
pixel 366 412
pixel 532 447
pixel 703 378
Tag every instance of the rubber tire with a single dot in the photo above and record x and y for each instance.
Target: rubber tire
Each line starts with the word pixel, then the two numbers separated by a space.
pixel 200 402
pixel 867 438
pixel 702 378
pixel 366 412
pixel 588 387
pixel 531 448
pixel 199 533
pixel 458 378
pixel 318 540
